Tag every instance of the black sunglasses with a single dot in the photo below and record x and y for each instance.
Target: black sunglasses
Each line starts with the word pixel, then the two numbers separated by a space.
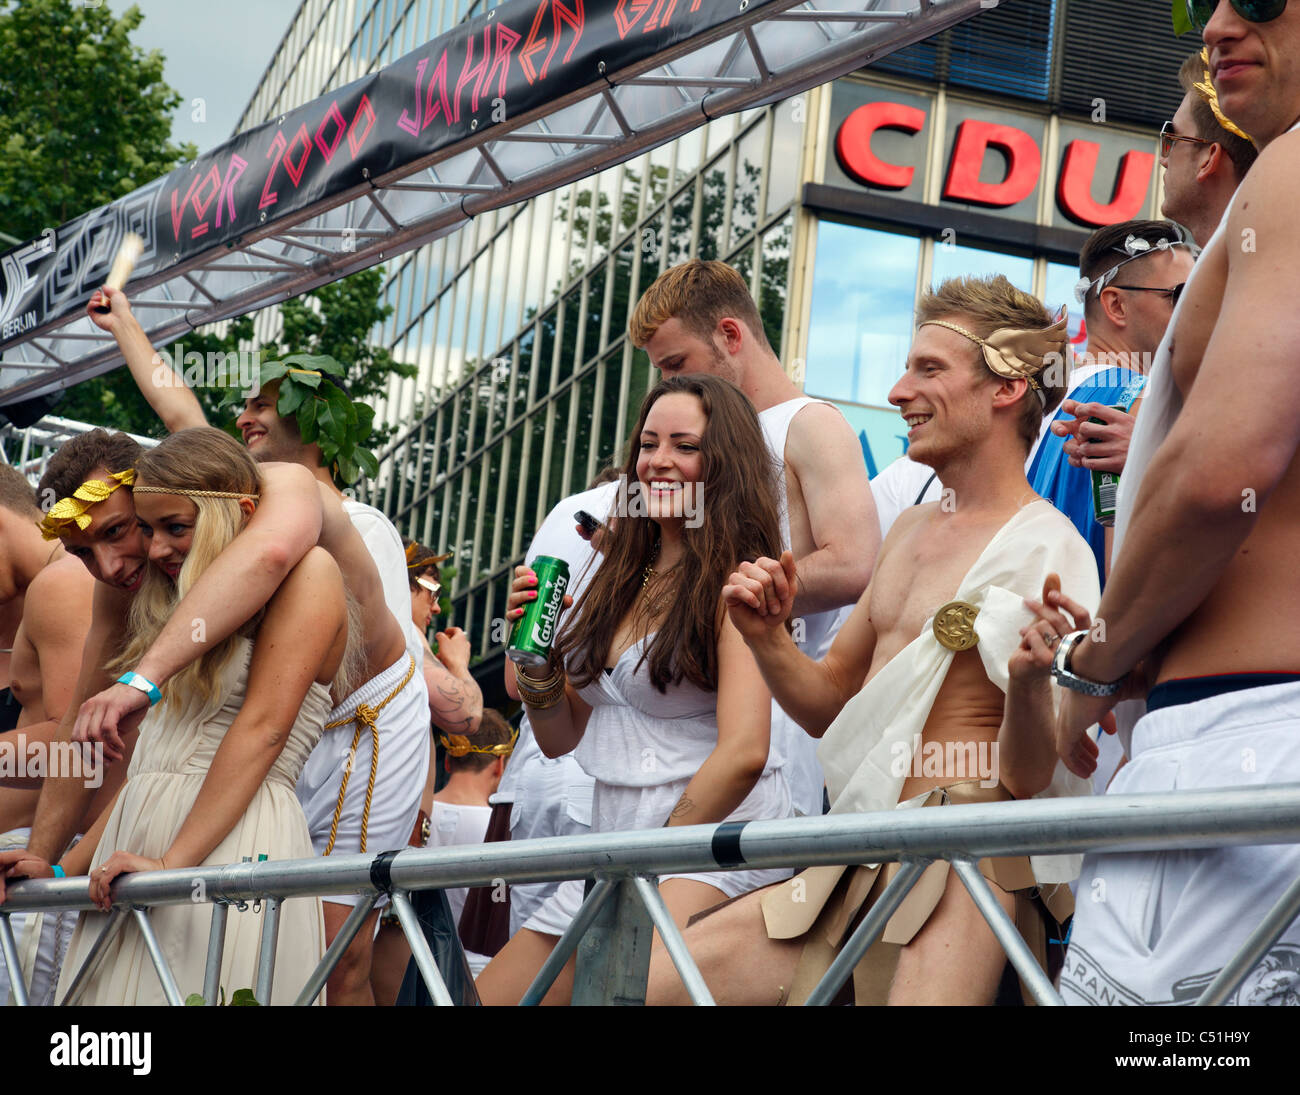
pixel 1253 11
pixel 1173 293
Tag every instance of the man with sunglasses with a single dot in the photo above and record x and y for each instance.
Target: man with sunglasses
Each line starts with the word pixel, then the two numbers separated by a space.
pixel 1130 275
pixel 1204 154
pixel 1201 600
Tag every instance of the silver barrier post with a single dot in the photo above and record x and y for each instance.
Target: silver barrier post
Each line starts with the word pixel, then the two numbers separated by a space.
pixel 17 987
pixel 550 970
pixel 673 942
pixel 1031 973
pixel 216 947
pixel 116 921
pixel 424 960
pixel 1279 918
pixel 867 932
pixel 614 955
pixel 346 934
pixel 151 943
pixel 266 953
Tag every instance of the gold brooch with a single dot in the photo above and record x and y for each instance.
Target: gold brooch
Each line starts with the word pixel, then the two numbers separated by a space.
pixel 954 626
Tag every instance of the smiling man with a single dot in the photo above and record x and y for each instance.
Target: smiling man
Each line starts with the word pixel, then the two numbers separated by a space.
pixel 921 666
pixel 1202 595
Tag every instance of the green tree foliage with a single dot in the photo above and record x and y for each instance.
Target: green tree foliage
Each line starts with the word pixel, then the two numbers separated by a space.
pixel 85 116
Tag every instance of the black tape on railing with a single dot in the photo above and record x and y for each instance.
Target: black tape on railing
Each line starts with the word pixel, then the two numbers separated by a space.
pixel 726 843
pixel 381 872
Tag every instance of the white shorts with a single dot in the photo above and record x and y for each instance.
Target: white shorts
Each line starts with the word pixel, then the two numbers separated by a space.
pixel 1155 927
pixel 552 798
pixel 400 774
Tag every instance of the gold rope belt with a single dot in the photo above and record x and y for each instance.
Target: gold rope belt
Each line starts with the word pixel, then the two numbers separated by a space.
pixel 365 716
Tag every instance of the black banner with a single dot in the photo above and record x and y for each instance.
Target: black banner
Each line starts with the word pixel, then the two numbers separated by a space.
pixel 487 72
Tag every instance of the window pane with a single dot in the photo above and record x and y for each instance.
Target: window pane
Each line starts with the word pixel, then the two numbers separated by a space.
pixel 773 280
pixel 606 434
pixel 638 385
pixel 864 284
pixel 534 510
pixel 525 356
pixel 679 231
pixel 749 179
pixel 621 301
pixel 952 261
pixel 787 148
pixel 512 462
pixel 595 307
pixel 583 432
pixel 1061 280
pixel 569 347
pixel 483 536
pixel 556 483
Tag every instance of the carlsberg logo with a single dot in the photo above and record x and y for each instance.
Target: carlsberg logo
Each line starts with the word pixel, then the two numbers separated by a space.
pixel 545 626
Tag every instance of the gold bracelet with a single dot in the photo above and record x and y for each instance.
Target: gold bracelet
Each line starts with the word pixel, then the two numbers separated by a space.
pixel 547 694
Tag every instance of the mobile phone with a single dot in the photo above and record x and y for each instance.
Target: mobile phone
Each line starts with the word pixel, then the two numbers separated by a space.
pixel 587 521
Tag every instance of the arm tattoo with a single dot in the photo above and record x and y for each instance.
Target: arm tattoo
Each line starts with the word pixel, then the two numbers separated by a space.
pixel 684 806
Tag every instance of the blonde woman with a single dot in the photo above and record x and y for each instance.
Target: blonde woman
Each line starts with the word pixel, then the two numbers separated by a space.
pixel 212 777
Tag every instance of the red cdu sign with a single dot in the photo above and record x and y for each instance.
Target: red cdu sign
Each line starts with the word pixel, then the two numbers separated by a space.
pixel 1016 176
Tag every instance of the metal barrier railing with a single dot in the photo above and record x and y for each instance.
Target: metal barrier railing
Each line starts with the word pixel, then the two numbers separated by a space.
pixel 624 903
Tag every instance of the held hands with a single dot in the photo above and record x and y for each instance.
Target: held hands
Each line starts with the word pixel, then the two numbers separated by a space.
pixel 1077 713
pixel 19 863
pixel 101 878
pixel 760 596
pixel 1093 445
pixel 105 717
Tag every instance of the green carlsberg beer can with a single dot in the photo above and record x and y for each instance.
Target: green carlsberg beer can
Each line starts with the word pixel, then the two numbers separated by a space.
pixel 530 643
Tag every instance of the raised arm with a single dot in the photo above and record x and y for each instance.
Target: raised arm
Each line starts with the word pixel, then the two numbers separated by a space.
pixel 1189 518
pixel 239 582
pixel 744 734
pixel 826 459
pixel 163 388
pixel 455 699
pixel 300 640
pixel 759 598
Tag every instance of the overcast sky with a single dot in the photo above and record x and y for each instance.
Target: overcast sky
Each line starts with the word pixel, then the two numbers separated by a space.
pixel 215 52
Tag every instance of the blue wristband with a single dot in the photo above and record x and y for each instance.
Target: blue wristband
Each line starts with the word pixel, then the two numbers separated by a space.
pixel 59 872
pixel 144 684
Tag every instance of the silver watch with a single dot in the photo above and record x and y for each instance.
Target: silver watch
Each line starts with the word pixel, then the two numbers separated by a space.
pixel 1067 679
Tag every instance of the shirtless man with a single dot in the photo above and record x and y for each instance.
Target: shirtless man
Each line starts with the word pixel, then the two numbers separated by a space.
pixel 369 553
pixel 699 317
pixel 995 546
pixel 52 594
pixel 1203 583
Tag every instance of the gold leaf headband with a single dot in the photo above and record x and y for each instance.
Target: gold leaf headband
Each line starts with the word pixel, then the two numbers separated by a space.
pixel 422 563
pixel 72 510
pixel 1018 354
pixel 458 745
pixel 197 493
pixel 1211 96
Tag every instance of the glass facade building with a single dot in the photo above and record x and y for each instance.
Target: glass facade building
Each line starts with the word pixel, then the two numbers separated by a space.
pixel 994 147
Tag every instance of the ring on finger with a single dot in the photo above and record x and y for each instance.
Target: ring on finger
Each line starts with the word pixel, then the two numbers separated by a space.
pixel 1052 639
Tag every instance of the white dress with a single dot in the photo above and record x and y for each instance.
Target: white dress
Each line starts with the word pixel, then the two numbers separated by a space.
pixel 168 767
pixel 643 747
